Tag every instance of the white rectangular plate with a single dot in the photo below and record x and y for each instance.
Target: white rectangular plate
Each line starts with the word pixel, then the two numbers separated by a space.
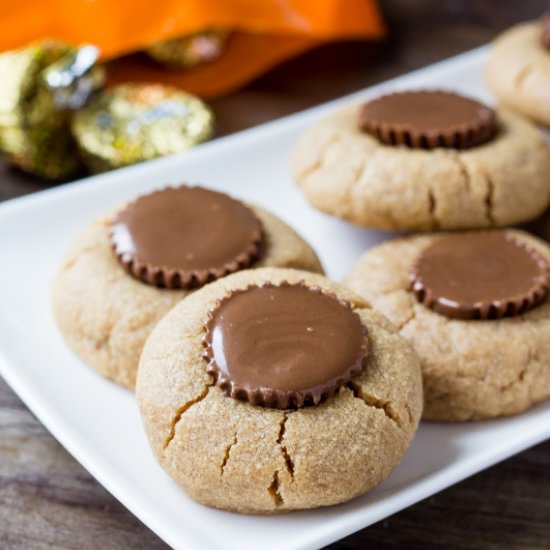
pixel 98 422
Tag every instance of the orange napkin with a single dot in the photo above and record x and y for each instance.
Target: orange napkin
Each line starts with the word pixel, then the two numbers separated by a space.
pixel 269 31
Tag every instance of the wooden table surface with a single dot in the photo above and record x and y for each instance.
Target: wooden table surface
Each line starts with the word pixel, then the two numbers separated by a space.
pixel 47 500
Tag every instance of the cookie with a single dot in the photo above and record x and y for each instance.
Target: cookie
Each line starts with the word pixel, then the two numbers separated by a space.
pixel 484 343
pixel 313 404
pixel 121 276
pixel 518 69
pixel 428 172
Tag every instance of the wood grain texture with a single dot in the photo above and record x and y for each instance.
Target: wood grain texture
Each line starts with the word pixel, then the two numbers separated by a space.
pixel 47 500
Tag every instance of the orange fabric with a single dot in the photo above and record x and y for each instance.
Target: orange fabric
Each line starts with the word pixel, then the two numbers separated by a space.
pixel 234 68
pixel 273 30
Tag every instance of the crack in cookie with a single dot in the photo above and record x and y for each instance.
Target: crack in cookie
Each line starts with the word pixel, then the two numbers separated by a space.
pixel 280 441
pixel 228 453
pixel 181 411
pixel 521 76
pixel 373 402
pixel 432 206
pixel 274 491
pixel 321 154
pixel 489 203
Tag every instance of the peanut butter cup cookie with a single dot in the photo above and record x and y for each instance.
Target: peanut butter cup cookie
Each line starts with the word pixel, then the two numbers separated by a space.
pixel 130 267
pixel 475 307
pixel 273 390
pixel 518 70
pixel 424 160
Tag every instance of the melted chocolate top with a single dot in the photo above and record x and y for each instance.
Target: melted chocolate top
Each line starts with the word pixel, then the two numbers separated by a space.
pixel 284 346
pixel 428 119
pixel 183 237
pixel 480 275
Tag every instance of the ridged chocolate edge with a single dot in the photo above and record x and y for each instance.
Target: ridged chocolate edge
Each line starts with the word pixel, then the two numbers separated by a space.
pixel 177 279
pixel 495 309
pixel 465 136
pixel 273 398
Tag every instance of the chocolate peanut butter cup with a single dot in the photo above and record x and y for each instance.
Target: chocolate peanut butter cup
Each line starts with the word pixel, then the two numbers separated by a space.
pixel 428 119
pixel 184 237
pixel 480 275
pixel 545 30
pixel 283 346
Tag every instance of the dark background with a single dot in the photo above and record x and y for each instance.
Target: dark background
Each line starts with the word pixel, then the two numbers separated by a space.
pixel 48 500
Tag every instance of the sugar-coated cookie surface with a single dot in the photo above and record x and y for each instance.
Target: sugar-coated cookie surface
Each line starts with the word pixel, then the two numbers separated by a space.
pixel 472 369
pixel 105 314
pixel 350 174
pixel 518 71
pixel 252 459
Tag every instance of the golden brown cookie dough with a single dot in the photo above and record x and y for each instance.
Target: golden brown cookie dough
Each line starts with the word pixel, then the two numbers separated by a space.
pixel 231 454
pixel 472 369
pixel 105 314
pixel 518 71
pixel 350 174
